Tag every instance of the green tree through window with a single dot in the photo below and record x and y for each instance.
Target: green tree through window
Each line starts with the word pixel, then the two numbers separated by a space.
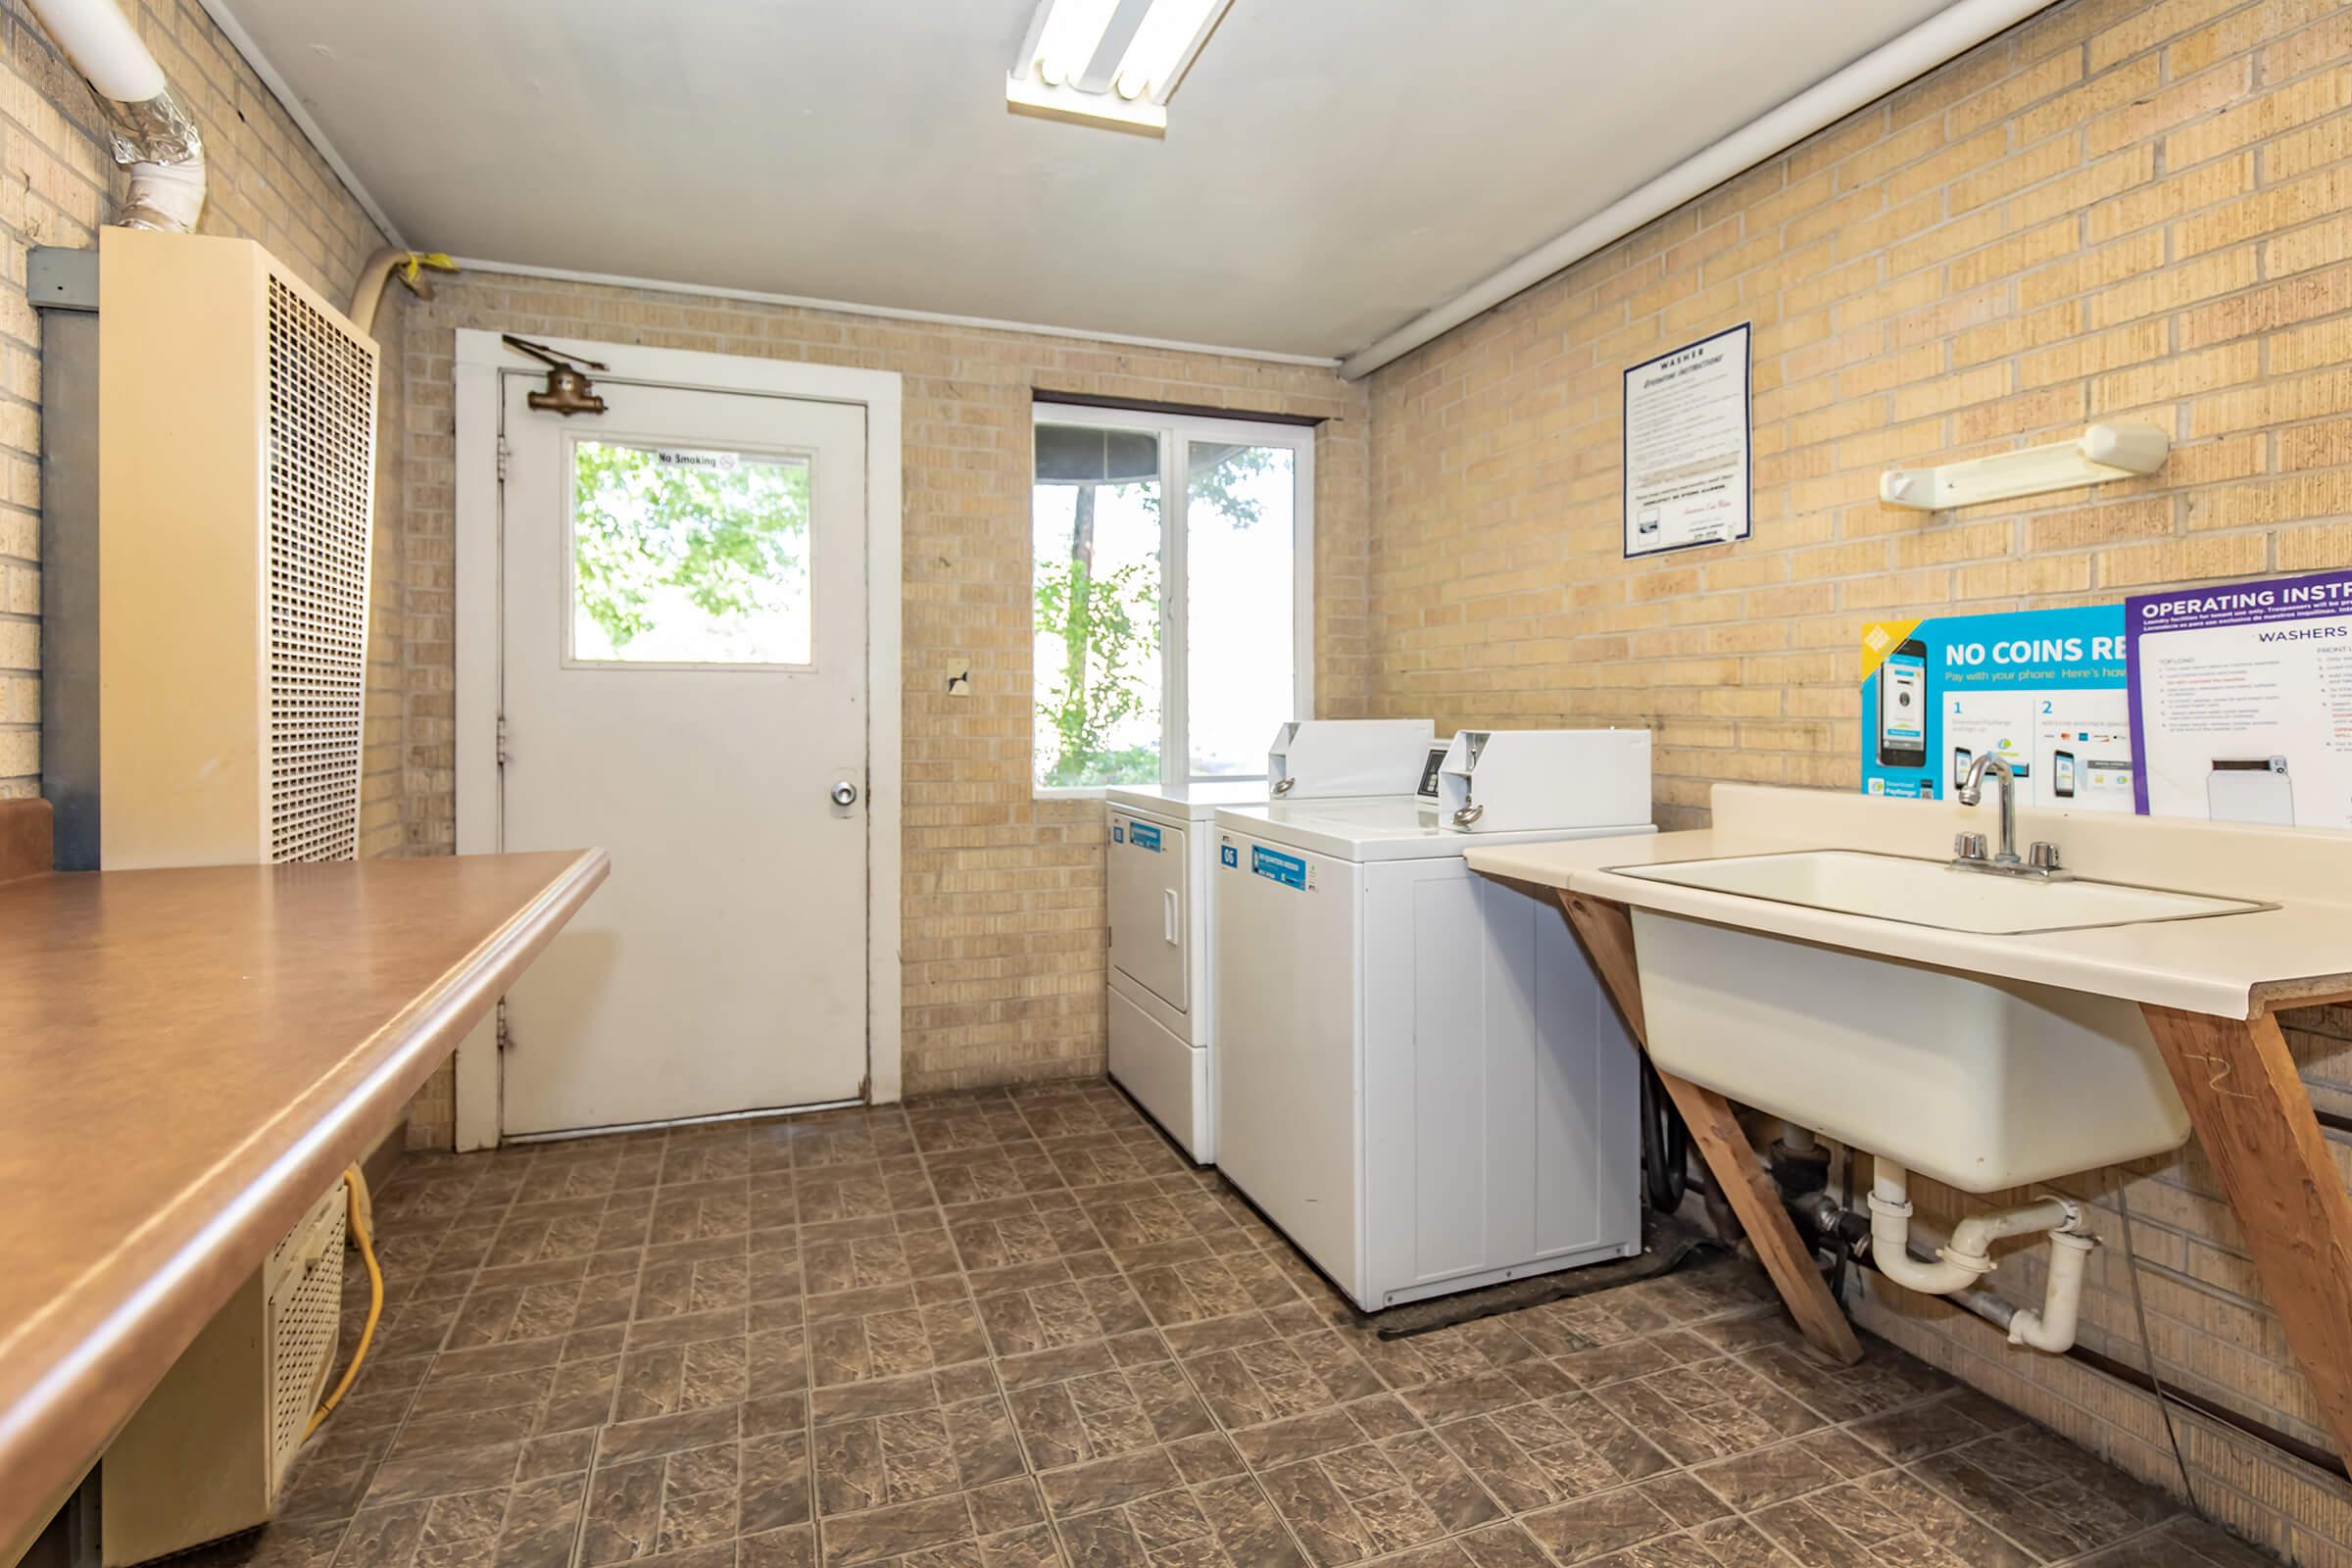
pixel 1106 623
pixel 704 554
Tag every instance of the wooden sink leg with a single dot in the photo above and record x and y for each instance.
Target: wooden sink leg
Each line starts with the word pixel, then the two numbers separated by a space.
pixel 2254 1120
pixel 1606 931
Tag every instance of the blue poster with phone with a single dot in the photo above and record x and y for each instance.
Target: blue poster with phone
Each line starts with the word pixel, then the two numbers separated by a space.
pixel 2045 690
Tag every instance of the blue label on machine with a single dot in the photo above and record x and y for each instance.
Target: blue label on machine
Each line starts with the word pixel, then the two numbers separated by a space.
pixel 1144 836
pixel 1226 855
pixel 1118 834
pixel 1288 869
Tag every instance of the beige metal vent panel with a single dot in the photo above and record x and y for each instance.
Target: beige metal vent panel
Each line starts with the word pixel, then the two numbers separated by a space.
pixel 321 461
pixel 207 1452
pixel 236 464
pixel 305 1314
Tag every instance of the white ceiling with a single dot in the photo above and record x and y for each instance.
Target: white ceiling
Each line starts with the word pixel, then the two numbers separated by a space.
pixel 1331 168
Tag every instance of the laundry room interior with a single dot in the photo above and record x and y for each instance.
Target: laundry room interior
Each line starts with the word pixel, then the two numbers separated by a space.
pixel 1181 783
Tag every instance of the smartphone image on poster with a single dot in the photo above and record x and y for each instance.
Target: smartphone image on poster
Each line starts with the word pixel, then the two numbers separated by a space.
pixel 1903 706
pixel 1961 757
pixel 2063 764
pixel 2250 789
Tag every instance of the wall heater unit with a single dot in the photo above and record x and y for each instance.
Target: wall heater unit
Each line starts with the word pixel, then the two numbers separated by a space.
pixel 204 702
pixel 209 483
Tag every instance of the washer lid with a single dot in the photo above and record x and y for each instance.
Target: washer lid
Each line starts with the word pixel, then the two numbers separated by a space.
pixel 1385 829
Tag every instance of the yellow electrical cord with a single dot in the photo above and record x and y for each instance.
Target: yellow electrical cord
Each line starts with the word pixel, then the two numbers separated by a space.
pixel 356 1185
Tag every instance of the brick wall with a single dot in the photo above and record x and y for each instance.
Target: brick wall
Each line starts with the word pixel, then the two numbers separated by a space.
pixel 57 184
pixel 1003 916
pixel 2117 210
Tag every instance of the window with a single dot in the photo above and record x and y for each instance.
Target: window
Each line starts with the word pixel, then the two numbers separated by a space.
pixel 688 556
pixel 1168 648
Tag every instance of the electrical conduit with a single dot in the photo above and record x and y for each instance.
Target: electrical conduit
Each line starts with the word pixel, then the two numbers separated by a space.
pixel 1968 1256
pixel 149 132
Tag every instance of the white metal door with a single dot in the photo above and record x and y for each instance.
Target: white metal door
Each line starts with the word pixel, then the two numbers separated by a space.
pixel 683 633
pixel 1150 914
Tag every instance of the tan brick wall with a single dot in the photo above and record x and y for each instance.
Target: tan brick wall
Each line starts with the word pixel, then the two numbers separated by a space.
pixel 1003 916
pixel 2117 210
pixel 57 184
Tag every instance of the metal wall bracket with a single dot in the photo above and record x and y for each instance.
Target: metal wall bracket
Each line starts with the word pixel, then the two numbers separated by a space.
pixel 57 278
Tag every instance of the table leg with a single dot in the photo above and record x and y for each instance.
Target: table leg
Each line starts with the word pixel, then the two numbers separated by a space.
pixel 2254 1120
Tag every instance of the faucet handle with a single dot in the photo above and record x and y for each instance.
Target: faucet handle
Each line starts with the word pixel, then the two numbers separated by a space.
pixel 1969 845
pixel 2042 856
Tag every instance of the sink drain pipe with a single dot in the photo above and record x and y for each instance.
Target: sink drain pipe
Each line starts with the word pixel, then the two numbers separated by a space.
pixel 1980 1303
pixel 1968 1256
pixel 1838 1230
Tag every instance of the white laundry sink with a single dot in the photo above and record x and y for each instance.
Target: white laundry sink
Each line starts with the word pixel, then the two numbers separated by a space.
pixel 1981 1082
pixel 1919 892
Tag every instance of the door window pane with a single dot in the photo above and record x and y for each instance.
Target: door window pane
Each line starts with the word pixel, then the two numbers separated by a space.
pixel 1096 516
pixel 683 556
pixel 1239 538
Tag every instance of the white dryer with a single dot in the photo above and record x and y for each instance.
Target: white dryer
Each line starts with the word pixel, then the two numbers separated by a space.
pixel 1155 875
pixel 1420 1080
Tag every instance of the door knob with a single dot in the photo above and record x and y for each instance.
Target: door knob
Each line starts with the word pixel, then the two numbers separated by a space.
pixel 844 793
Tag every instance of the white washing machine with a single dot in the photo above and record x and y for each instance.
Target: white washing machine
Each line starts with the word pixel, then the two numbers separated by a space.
pixel 1156 874
pixel 1420 1080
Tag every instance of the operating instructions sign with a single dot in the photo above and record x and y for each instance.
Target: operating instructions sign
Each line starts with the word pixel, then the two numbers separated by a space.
pixel 2244 701
pixel 1689 447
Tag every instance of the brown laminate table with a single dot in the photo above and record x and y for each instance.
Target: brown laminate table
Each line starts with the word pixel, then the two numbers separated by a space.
pixel 187 1059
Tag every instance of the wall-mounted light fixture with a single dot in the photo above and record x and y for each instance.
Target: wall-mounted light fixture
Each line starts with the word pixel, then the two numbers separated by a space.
pixel 1108 62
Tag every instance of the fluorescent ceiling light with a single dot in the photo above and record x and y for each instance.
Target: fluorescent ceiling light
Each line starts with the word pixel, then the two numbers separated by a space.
pixel 1108 62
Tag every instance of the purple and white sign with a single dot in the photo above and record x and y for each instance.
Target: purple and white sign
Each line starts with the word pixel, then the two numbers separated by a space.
pixel 2242 700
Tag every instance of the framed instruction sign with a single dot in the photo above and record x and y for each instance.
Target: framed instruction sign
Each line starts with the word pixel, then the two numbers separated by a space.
pixel 1688 441
pixel 2244 697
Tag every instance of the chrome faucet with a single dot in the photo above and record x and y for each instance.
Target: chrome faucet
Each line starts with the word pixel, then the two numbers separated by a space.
pixel 1968 847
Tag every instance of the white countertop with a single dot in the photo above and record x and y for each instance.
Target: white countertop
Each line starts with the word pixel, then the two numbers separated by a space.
pixel 2233 966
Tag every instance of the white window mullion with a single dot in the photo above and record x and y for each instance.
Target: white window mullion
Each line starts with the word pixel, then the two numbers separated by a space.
pixel 1303 576
pixel 1175 643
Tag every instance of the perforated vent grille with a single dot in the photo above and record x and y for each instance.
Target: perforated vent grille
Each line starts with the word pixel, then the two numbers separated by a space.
pixel 322 456
pixel 305 1309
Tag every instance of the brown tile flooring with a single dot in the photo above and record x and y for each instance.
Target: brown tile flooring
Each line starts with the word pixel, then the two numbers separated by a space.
pixel 1016 1328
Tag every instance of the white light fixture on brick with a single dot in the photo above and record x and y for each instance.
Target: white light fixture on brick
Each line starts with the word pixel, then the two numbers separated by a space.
pixel 2104 452
pixel 1110 63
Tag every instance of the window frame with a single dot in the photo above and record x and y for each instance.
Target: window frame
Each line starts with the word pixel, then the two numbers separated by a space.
pixel 1176 432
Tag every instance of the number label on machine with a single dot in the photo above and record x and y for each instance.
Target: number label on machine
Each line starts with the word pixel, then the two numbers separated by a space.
pixel 1275 866
pixel 1144 836
pixel 1227 855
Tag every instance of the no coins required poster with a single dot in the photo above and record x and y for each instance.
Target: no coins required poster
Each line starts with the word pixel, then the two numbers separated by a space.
pixel 2045 690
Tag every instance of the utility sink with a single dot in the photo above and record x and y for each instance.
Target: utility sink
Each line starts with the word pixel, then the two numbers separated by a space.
pixel 1933 893
pixel 1979 1082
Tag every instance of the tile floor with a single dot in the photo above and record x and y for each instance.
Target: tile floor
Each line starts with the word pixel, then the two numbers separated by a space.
pixel 1016 1328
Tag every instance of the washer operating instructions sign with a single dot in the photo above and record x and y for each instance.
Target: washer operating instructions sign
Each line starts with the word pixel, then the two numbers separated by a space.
pixel 1689 446
pixel 2244 701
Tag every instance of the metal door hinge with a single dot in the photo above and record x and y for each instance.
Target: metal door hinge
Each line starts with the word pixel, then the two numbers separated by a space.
pixel 506 1038
pixel 502 740
pixel 504 452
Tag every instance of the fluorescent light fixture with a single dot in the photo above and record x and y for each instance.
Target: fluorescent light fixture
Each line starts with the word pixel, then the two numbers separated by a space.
pixel 1108 62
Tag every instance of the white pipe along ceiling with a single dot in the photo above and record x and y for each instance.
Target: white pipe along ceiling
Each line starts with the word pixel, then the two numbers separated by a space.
pixel 1943 37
